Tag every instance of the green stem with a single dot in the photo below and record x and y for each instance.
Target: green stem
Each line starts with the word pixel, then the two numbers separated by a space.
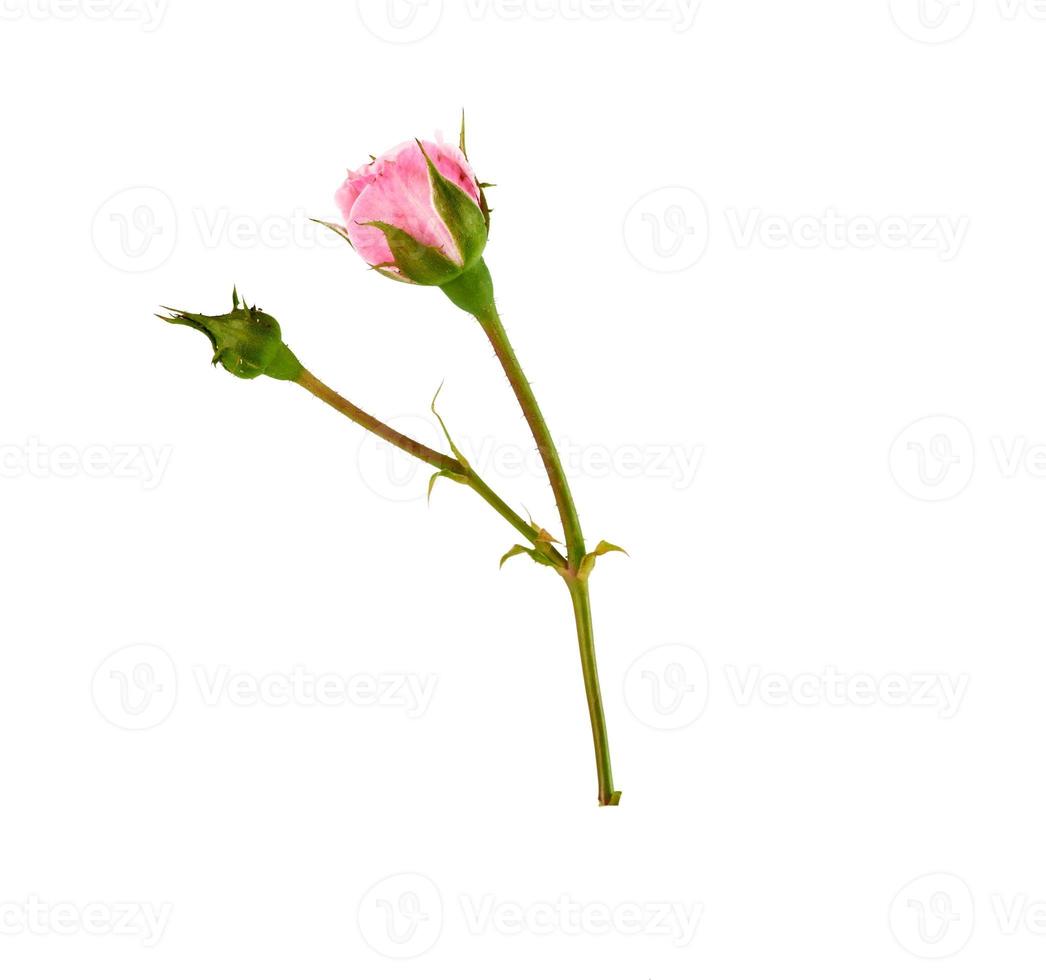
pixel 608 796
pixel 474 292
pixel 418 450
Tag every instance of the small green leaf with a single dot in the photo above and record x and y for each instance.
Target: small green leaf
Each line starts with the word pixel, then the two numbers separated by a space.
pixel 589 561
pixel 536 555
pixel 542 559
pixel 439 418
pixel 456 477
pixel 516 549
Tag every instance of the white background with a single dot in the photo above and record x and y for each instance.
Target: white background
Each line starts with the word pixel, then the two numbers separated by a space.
pixel 823 663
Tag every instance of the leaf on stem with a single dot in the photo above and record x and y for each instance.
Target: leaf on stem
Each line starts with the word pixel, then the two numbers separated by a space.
pixel 456 477
pixel 454 449
pixel 589 561
pixel 518 549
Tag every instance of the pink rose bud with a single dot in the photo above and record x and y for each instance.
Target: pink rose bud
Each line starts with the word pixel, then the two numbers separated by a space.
pixel 416 214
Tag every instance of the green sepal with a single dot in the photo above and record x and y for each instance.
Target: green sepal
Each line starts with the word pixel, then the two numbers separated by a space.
pixel 420 263
pixel 482 187
pixel 589 561
pixel 340 230
pixel 463 217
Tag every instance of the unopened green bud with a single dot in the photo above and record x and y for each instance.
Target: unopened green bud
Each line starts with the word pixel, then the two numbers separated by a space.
pixel 246 341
